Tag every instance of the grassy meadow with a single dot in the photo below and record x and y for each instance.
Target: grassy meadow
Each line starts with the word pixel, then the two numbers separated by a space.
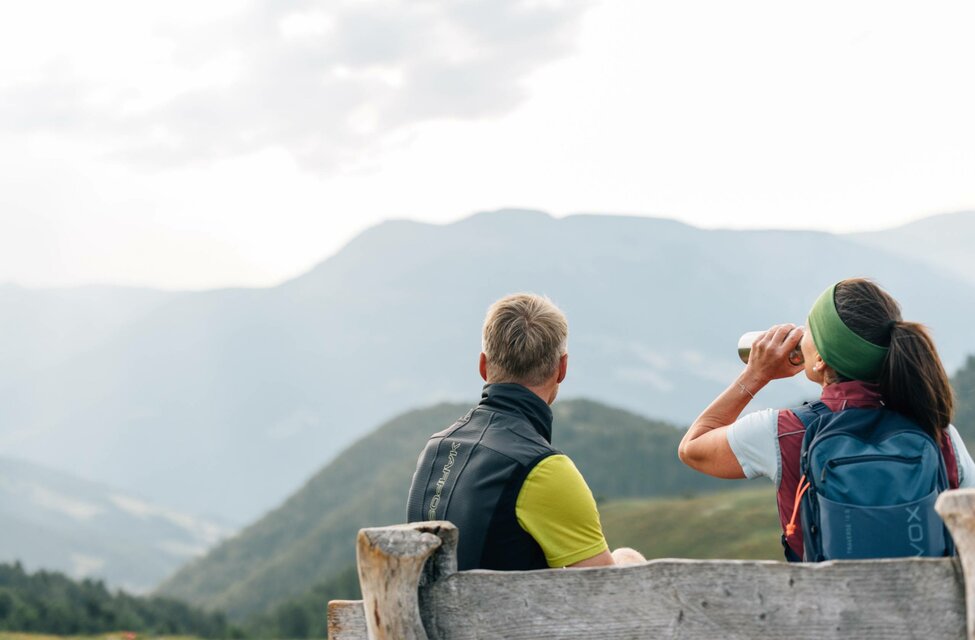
pixel 731 524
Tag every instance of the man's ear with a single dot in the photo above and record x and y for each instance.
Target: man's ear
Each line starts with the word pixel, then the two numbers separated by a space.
pixel 482 366
pixel 563 367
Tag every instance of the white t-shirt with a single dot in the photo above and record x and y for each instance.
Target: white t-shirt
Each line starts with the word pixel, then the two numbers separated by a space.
pixel 755 443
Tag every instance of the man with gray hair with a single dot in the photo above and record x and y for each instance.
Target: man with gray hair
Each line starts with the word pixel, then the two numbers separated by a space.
pixel 518 502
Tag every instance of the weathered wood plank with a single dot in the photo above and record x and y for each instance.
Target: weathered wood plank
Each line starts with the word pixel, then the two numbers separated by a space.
pixel 412 591
pixel 889 599
pixel 391 561
pixel 346 620
pixel 957 509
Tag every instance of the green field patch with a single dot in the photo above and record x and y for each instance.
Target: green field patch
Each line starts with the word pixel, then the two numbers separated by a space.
pixel 733 524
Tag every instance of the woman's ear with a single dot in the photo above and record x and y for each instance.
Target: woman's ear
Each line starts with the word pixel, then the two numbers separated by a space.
pixel 823 373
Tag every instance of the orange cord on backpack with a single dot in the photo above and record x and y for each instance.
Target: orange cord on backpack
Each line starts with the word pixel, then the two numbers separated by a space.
pixel 790 528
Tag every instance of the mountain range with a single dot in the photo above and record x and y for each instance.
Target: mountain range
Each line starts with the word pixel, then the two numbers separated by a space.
pixel 53 521
pixel 222 402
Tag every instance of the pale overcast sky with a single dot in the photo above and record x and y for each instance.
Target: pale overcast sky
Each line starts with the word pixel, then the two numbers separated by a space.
pixel 194 144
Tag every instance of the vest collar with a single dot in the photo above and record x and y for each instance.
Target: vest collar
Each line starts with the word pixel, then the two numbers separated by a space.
pixel 852 394
pixel 519 400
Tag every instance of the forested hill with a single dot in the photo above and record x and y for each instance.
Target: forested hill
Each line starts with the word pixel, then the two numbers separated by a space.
pixel 964 384
pixel 310 537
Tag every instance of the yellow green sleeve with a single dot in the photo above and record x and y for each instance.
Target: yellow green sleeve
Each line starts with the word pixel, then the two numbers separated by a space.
pixel 556 507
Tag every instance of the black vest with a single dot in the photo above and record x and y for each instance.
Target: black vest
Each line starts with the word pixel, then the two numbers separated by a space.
pixel 472 472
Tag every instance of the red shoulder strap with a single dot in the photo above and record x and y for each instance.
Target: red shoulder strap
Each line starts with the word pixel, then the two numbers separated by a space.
pixel 790 432
pixel 951 462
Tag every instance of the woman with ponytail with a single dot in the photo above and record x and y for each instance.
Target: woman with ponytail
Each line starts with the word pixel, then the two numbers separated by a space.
pixel 865 356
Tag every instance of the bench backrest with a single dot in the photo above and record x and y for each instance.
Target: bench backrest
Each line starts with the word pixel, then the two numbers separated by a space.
pixel 412 590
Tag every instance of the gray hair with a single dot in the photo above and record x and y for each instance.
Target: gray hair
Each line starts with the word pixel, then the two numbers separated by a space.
pixel 524 337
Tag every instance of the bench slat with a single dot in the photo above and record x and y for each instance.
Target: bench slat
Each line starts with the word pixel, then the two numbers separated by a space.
pixel 704 599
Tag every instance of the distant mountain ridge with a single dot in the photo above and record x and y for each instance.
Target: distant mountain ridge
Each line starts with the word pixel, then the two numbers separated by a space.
pixel 943 241
pixel 223 401
pixel 53 521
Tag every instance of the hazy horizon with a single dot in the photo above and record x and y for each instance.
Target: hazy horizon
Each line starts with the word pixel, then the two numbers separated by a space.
pixel 121 283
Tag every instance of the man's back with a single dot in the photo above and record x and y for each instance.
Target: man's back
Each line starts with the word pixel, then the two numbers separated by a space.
pixel 496 476
pixel 518 503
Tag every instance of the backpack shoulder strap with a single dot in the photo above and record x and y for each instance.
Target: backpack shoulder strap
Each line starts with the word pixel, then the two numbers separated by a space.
pixel 948 453
pixel 811 411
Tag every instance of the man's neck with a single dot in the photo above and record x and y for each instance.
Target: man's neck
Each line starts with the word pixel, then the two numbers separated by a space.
pixel 546 392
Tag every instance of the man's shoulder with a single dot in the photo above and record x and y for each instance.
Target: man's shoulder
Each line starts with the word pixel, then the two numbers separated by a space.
pixel 457 424
pixel 499 432
pixel 515 438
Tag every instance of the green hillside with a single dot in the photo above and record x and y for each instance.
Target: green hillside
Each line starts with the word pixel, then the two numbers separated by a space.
pixel 310 537
pixel 964 385
pixel 729 524
pixel 303 616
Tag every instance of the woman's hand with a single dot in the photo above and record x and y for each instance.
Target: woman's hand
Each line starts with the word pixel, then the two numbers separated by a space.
pixel 705 446
pixel 769 358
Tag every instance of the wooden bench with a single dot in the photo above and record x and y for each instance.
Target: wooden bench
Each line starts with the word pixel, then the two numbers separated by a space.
pixel 412 591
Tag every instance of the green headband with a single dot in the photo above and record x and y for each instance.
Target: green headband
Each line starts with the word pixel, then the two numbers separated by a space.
pixel 846 352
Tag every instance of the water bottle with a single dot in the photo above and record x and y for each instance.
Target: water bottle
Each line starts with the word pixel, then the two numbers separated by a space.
pixel 747 340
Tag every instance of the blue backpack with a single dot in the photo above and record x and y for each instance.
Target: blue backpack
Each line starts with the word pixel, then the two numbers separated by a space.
pixel 873 477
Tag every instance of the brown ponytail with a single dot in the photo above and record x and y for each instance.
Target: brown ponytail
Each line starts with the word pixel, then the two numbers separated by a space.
pixel 913 381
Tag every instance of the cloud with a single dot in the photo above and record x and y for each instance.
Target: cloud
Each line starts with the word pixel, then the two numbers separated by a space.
pixel 329 82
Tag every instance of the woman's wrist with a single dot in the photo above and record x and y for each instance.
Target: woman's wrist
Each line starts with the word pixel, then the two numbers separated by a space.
pixel 752 381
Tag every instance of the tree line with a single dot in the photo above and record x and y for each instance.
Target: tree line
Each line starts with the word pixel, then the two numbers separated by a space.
pixel 50 602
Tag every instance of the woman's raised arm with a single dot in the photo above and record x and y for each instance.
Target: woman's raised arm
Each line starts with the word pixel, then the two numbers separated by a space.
pixel 705 446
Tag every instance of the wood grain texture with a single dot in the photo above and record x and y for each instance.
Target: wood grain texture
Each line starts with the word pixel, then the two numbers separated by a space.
pixel 889 599
pixel 957 509
pixel 391 561
pixel 346 620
